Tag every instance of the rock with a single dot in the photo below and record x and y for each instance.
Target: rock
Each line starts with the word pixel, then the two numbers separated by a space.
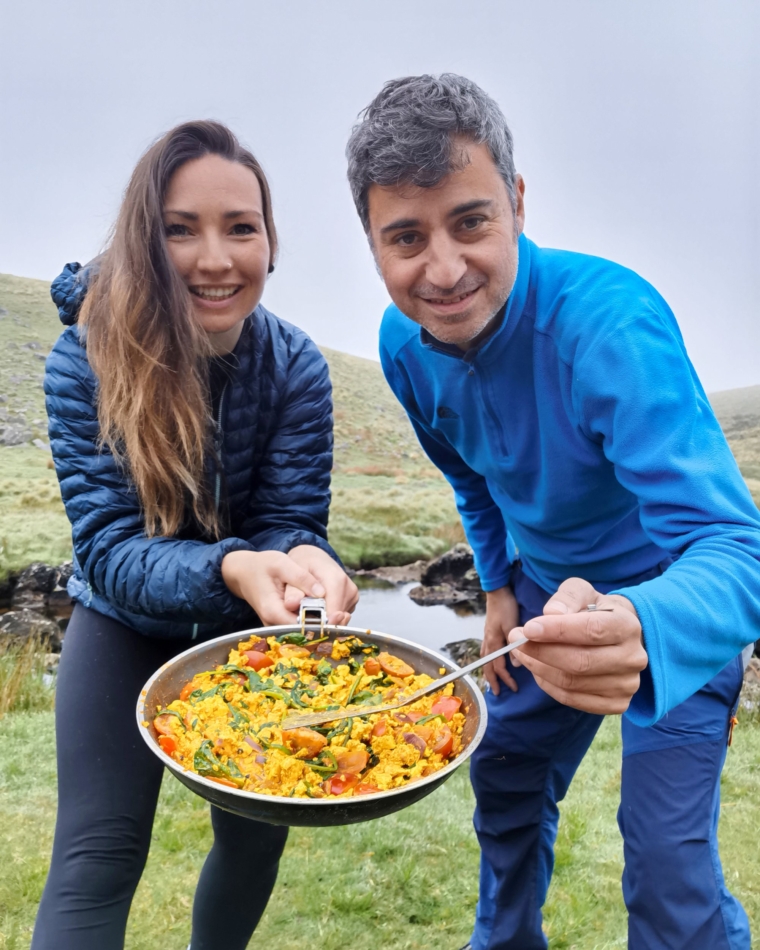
pixel 405 574
pixel 32 345
pixel 456 567
pixel 14 433
pixel 18 625
pixel 445 594
pixel 749 700
pixel 6 591
pixel 39 444
pixel 51 662
pixel 34 586
pixel 464 652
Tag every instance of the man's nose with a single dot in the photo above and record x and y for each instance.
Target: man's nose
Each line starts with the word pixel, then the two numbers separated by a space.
pixel 445 265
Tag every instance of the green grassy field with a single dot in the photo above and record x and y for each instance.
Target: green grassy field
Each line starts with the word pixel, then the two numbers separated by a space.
pixel 405 882
pixel 390 506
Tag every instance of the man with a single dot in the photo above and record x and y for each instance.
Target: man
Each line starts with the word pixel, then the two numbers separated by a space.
pixel 554 392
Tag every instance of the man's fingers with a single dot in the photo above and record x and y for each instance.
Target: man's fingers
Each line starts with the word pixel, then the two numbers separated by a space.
pixel 610 685
pixel 585 661
pixel 573 595
pixel 588 702
pixel 585 629
pixel 500 668
pixel 491 678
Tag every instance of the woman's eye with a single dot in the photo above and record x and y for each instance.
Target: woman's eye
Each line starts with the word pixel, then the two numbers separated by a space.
pixel 176 230
pixel 243 229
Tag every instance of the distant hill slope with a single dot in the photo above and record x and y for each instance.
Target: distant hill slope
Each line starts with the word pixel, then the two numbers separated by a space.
pixel 390 505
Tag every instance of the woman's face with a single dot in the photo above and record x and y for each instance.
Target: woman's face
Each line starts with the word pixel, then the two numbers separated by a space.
pixel 217 240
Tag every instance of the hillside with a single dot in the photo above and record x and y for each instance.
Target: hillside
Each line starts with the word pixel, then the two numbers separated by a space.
pixel 390 506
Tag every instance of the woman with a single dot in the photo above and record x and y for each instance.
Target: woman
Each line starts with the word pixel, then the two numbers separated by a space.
pixel 192 436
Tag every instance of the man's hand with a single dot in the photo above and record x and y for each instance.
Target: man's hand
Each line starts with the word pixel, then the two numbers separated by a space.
pixel 584 659
pixel 502 615
pixel 341 594
pixel 261 578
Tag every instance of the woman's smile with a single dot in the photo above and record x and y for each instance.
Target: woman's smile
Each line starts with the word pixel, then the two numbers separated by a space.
pixel 215 297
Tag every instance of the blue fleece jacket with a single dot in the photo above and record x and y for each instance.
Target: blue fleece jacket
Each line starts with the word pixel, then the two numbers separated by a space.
pixel 581 431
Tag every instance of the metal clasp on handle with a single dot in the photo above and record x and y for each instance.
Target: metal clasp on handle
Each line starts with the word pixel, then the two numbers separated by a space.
pixel 313 610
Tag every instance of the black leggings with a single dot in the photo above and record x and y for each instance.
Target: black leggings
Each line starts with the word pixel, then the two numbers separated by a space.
pixel 108 784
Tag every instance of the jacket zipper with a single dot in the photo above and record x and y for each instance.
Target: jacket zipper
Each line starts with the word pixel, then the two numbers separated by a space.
pixel 218 454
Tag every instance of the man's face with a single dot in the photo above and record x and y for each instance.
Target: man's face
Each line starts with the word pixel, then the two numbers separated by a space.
pixel 448 254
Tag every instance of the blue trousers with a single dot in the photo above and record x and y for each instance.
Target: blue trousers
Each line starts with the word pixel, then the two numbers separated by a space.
pixel 673 884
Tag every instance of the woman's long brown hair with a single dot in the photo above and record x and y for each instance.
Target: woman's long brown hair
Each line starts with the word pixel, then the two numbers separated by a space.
pixel 147 348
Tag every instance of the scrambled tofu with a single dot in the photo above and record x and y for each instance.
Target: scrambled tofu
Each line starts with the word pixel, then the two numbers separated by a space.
pixel 226 722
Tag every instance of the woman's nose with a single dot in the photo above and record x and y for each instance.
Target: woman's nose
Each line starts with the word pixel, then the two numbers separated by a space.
pixel 212 258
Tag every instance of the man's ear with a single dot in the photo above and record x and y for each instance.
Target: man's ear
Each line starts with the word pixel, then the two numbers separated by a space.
pixel 519 204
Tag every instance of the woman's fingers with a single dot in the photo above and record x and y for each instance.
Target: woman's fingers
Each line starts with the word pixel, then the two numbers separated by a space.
pixel 341 594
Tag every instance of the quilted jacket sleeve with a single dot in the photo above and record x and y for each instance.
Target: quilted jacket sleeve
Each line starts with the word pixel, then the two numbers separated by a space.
pixel 161 578
pixel 291 500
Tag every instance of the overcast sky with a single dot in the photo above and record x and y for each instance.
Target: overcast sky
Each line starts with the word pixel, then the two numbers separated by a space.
pixel 636 123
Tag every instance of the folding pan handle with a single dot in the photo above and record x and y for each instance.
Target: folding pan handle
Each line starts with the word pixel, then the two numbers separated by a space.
pixel 312 610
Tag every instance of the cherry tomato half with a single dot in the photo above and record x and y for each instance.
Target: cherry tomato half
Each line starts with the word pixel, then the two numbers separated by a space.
pixel 340 783
pixel 257 659
pixel 186 690
pixel 163 724
pixel 371 667
pixel 446 706
pixel 444 742
pixel 168 744
pixel 364 788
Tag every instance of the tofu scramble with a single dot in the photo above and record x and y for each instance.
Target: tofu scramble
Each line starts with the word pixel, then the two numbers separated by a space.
pixel 225 725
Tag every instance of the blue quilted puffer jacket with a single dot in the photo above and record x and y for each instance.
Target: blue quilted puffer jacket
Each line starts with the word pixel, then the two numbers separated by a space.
pixel 276 448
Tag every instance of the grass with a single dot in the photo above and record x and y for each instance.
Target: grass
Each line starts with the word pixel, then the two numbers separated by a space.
pixel 22 677
pixel 390 506
pixel 407 881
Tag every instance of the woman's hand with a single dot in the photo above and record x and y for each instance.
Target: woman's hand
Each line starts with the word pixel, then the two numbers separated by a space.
pixel 502 616
pixel 341 594
pixel 262 577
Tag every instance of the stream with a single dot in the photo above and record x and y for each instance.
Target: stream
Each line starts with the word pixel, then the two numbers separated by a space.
pixel 389 609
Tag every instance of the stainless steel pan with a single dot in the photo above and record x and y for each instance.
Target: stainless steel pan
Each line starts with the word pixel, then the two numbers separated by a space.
pixel 165 685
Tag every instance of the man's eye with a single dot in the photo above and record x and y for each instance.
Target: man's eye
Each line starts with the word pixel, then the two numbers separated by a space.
pixel 471 223
pixel 407 240
pixel 176 230
pixel 243 229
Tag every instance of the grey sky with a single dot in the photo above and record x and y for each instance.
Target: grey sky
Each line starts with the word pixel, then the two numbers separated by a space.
pixel 637 128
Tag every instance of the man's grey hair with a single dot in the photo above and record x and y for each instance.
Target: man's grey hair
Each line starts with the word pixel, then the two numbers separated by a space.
pixel 406 135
